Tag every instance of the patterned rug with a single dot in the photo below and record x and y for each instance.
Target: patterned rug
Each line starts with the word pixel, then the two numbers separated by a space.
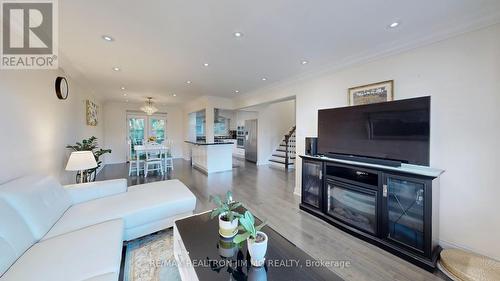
pixel 151 258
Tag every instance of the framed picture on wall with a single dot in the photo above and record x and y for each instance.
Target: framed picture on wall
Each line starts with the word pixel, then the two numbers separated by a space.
pixel 372 93
pixel 91 112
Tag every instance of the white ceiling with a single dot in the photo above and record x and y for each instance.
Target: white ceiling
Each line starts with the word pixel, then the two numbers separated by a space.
pixel 160 44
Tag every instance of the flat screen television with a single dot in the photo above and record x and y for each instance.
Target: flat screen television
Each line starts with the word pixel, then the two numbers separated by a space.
pixel 396 130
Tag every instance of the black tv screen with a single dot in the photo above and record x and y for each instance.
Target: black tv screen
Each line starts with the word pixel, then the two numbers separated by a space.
pixel 395 130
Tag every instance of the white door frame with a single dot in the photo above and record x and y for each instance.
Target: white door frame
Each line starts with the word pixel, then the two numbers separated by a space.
pixel 147 129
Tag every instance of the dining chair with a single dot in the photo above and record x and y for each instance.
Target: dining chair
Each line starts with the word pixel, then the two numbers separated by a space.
pixel 154 159
pixel 132 164
pixel 168 160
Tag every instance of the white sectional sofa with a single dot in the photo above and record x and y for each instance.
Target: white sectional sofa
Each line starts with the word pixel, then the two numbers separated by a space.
pixel 53 233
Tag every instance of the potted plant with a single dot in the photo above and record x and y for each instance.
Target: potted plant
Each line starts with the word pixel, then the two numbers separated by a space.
pixel 228 218
pixel 89 144
pixel 256 239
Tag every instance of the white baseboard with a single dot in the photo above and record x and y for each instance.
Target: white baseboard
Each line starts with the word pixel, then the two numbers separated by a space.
pixel 240 156
pixel 450 245
pixel 447 245
pixel 297 193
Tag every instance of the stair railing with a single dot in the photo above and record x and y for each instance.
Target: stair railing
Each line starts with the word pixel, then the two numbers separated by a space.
pixel 287 142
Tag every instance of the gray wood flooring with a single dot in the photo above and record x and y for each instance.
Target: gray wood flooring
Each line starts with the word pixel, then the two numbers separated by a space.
pixel 268 192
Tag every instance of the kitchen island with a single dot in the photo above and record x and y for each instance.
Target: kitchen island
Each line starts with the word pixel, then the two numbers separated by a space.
pixel 212 157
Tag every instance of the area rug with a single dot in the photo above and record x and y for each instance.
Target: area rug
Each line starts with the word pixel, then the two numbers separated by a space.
pixel 151 258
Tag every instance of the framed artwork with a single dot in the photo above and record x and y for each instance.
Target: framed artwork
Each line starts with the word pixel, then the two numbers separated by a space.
pixel 91 109
pixel 372 93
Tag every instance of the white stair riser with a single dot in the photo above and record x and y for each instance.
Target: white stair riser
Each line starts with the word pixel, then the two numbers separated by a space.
pixel 282 159
pixel 282 153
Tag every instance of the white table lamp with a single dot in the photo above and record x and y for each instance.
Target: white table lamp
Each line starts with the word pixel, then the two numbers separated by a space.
pixel 81 161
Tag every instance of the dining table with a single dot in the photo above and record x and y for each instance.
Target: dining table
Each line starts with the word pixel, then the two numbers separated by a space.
pixel 144 148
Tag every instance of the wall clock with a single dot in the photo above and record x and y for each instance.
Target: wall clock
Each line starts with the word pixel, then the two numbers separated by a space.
pixel 62 89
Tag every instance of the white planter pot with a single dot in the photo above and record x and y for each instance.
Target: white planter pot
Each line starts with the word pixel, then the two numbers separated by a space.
pixel 257 250
pixel 227 229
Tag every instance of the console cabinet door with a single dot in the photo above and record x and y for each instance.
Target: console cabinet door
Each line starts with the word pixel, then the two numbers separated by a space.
pixel 407 209
pixel 312 183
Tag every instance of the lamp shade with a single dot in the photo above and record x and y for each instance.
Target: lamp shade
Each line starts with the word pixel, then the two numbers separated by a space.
pixel 81 160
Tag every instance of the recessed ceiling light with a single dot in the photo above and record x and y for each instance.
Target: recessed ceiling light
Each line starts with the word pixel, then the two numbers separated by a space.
pixel 394 24
pixel 174 95
pixel 205 64
pixel 236 91
pixel 125 95
pixel 238 34
pixel 122 88
pixel 264 78
pixel 126 100
pixel 188 82
pixel 108 38
pixel 116 68
pixel 304 62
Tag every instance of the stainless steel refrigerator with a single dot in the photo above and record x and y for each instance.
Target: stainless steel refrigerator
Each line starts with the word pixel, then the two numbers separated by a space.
pixel 251 140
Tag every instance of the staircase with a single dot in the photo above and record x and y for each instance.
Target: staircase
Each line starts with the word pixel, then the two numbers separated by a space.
pixel 284 155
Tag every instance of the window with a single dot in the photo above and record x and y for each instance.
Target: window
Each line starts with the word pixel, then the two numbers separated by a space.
pixel 142 128
pixel 221 123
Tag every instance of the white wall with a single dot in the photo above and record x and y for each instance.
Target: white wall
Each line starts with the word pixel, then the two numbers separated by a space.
pixel 462 75
pixel 274 121
pixel 115 129
pixel 36 126
pixel 242 115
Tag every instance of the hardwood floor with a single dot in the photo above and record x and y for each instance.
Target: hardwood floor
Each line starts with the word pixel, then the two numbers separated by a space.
pixel 268 192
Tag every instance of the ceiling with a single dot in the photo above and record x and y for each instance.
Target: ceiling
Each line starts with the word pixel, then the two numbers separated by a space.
pixel 159 45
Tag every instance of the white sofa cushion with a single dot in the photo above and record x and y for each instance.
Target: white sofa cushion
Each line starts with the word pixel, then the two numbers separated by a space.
pixel 15 236
pixel 141 205
pixel 41 201
pixel 87 254
pixel 84 192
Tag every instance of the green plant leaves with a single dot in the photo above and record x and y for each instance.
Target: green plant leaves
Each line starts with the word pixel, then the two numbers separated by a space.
pixel 229 197
pixel 214 214
pixel 236 205
pixel 241 237
pixel 250 217
pixel 226 206
pixel 216 199
pixel 247 221
pixel 247 225
pixel 90 144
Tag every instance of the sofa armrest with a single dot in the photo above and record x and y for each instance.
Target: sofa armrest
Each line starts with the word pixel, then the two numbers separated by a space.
pixel 84 192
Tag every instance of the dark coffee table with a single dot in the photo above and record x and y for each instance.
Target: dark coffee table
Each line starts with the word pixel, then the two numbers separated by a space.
pixel 201 254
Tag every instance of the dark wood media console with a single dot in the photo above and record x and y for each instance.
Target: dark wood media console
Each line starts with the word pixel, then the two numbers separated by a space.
pixel 395 208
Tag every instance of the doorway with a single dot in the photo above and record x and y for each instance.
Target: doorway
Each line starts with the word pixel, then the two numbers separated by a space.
pixel 141 128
